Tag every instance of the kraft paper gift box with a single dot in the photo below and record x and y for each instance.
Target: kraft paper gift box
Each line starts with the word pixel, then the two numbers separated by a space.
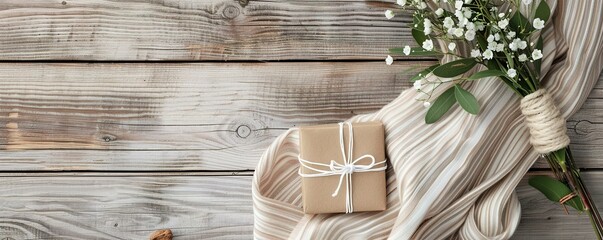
pixel 321 144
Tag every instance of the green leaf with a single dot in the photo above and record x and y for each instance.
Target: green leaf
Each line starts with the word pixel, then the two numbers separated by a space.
pixel 423 73
pixel 538 63
pixel 455 68
pixel 554 190
pixel 419 36
pixel 415 51
pixel 560 155
pixel 518 22
pixel 543 11
pixel 417 21
pixel 440 106
pixel 486 73
pixel 466 100
pixel 482 41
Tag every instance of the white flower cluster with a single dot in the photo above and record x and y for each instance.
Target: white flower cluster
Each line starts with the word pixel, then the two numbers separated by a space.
pixel 463 23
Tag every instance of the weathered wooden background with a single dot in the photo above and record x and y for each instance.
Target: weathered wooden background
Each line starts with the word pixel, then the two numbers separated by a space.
pixel 118 118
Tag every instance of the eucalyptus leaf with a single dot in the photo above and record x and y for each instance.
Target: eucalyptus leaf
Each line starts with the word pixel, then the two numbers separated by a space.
pixel 440 106
pixel 466 100
pixel 482 41
pixel 538 63
pixel 423 73
pixel 519 22
pixel 554 190
pixel 543 11
pixel 455 68
pixel 419 36
pixel 486 73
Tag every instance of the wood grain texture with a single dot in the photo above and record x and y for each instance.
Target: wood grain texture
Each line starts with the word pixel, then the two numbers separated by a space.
pixel 194 207
pixel 125 207
pixel 198 30
pixel 211 116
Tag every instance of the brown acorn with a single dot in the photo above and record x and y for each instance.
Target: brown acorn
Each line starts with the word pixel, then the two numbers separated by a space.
pixel 163 234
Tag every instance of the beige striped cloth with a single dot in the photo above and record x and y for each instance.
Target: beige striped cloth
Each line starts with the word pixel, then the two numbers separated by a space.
pixel 454 179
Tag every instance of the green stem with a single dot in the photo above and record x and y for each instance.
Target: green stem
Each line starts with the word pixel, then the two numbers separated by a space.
pixel 570 173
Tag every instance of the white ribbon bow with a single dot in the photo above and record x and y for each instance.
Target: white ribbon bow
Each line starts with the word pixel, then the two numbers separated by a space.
pixel 344 170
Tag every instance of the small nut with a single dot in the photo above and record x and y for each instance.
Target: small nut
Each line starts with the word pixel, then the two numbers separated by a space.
pixel 163 234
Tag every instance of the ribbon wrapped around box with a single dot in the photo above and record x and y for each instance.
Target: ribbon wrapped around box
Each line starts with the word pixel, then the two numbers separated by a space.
pixel 343 167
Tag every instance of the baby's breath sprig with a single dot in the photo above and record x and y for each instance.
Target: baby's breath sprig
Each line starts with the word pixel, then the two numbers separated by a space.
pixel 509 45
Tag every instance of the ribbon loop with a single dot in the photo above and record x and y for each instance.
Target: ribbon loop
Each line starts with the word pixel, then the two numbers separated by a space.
pixel 344 170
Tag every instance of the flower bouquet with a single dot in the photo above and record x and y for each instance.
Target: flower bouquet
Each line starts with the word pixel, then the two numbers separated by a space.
pixel 508 44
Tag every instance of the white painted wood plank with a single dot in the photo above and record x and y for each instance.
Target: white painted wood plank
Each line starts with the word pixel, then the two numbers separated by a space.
pixel 195 207
pixel 210 116
pixel 198 30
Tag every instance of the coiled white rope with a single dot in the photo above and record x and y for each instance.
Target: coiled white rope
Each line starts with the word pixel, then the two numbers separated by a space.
pixel 344 170
pixel 547 128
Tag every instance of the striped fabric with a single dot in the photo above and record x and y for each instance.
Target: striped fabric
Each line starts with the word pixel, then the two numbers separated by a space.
pixel 454 179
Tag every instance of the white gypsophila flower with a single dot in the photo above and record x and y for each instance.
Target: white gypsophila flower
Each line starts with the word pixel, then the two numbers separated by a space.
pixel 417 85
pixel 426 104
pixel 475 53
pixel 470 35
pixel 448 22
pixel 467 12
pixel 497 37
pixel 406 50
pixel 439 12
pixel 514 45
pixel 470 26
pixel 494 9
pixel 536 54
pixel 488 54
pixel 526 2
pixel 401 2
pixel 538 23
pixel 389 14
pixel 458 32
pixel 427 26
pixel 463 21
pixel 468 1
pixel 389 60
pixel 458 14
pixel 501 15
pixel 500 47
pixel 492 46
pixel 428 45
pixel 510 35
pixel 511 73
pixel 458 4
pixel 522 45
pixel 522 57
pixel 502 24
pixel 480 26
pixel 490 38
pixel 427 30
pixel 422 5
pixel 451 46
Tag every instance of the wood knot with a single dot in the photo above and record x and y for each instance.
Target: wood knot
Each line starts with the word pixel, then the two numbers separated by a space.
pixel 243 3
pixel 583 127
pixel 64 2
pixel 163 234
pixel 230 12
pixel 108 138
pixel 243 131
